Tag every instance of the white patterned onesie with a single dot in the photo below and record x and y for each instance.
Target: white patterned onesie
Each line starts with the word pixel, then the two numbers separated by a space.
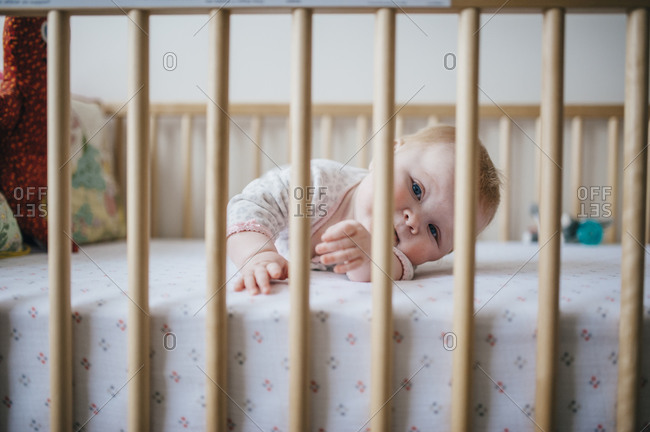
pixel 263 205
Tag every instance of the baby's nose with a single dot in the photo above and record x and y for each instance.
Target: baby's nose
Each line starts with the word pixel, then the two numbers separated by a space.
pixel 410 218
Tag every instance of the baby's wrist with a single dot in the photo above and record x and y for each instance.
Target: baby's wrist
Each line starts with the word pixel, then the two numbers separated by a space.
pixel 403 267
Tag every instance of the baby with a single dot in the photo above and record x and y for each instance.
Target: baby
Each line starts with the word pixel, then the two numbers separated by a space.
pixel 340 209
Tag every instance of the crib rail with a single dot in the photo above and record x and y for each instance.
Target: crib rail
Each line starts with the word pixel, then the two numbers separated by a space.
pixel 634 203
pixel 161 7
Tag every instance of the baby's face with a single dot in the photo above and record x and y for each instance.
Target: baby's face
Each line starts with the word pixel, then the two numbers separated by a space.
pixel 424 201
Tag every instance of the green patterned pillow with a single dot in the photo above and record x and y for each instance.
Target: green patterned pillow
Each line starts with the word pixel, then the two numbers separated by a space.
pixel 97 208
pixel 11 240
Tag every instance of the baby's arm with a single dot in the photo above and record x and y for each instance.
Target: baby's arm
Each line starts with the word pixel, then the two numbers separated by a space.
pixel 347 245
pixel 255 217
pixel 258 260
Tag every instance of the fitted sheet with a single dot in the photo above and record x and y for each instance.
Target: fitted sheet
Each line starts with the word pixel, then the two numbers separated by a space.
pixel 505 342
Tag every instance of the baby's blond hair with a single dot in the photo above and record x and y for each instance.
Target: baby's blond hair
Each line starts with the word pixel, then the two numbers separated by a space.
pixel 489 181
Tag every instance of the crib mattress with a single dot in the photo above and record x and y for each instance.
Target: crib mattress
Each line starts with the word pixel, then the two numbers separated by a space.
pixel 505 341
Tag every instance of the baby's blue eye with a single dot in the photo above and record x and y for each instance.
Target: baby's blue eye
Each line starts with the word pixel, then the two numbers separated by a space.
pixel 416 190
pixel 434 231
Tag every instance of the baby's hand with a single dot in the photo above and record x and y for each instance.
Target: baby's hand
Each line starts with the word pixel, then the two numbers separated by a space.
pixel 257 273
pixel 347 244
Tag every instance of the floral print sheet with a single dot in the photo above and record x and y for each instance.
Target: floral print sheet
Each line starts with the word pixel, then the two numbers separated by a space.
pixel 339 385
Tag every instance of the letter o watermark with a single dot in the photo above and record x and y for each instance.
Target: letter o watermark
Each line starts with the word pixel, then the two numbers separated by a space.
pixel 449 341
pixel 582 193
pixel 170 61
pixel 446 61
pixel 169 341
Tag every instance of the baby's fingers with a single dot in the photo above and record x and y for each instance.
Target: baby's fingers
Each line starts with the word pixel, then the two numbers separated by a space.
pixel 340 230
pixel 341 256
pixel 275 270
pixel 348 266
pixel 262 279
pixel 251 284
pixel 239 284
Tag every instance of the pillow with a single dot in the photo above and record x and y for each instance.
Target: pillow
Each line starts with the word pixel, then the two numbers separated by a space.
pixel 97 208
pixel 11 241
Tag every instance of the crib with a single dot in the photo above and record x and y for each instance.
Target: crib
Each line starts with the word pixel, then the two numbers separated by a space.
pixel 384 121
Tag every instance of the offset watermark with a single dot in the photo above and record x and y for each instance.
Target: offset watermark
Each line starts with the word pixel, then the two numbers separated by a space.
pixel 449 341
pixel 170 61
pixel 449 61
pixel 169 341
pixel 593 202
pixel 310 209
pixel 30 209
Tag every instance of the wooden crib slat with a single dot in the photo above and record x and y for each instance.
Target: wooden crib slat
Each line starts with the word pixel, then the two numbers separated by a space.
pixel 153 140
pixel 505 150
pixel 120 158
pixel 299 225
pixel 216 200
pixel 633 232
pixel 256 133
pixel 326 126
pixel 466 182
pixel 538 160
pixel 138 177
pixel 612 175
pixel 577 152
pixel 399 127
pixel 58 209
pixel 647 199
pixel 362 137
pixel 550 211
pixel 382 221
pixel 186 144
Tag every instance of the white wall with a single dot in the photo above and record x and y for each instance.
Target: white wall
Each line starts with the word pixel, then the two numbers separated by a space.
pixel 342 72
pixel 343 51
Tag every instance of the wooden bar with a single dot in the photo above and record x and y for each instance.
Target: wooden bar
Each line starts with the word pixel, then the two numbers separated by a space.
pixel 362 138
pixel 466 186
pixel 216 200
pixel 326 126
pixel 647 200
pixel 256 133
pixel 399 127
pixel 538 160
pixel 612 175
pixel 353 110
pixel 299 224
pixel 577 153
pixel 120 155
pixel 382 221
pixel 505 152
pixel 490 6
pixel 138 175
pixel 381 368
pixel 59 220
pixel 550 209
pixel 153 139
pixel 186 145
pixel 634 193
